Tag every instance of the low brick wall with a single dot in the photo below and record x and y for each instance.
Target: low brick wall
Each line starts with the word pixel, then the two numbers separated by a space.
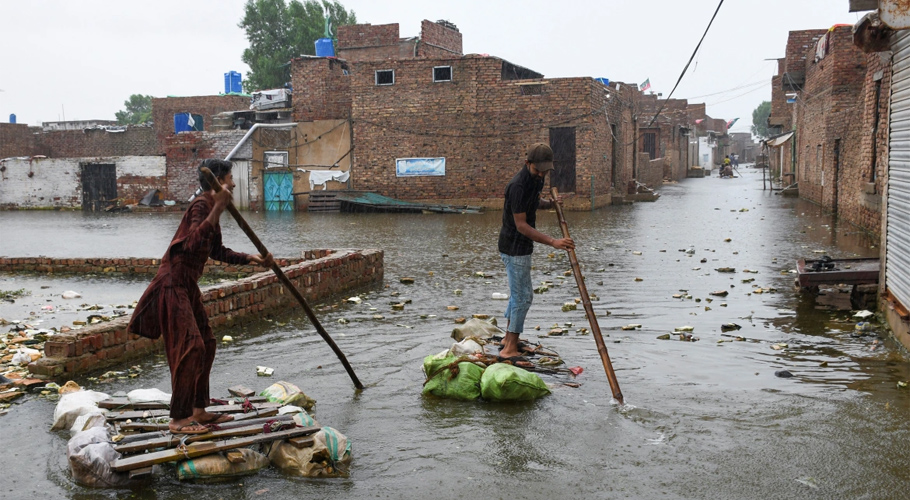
pixel 324 273
pixel 127 266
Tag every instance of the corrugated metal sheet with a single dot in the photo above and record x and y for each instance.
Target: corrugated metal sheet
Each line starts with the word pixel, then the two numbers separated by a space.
pixel 897 248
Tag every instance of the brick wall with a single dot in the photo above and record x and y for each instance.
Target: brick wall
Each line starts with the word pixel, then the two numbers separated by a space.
pixel 321 89
pixel 185 151
pixel 135 141
pixel 479 123
pixel 164 109
pixel 798 45
pixel 437 40
pixel 322 275
pixel 830 126
pixel 131 266
pixel 57 182
pixel 17 139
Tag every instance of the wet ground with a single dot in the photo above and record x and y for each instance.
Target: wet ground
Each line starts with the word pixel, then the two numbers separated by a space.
pixel 703 419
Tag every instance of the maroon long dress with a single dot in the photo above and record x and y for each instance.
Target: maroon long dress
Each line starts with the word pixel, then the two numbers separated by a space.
pixel 172 306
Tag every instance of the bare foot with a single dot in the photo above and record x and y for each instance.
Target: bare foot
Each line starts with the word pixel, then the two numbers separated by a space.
pixel 187 425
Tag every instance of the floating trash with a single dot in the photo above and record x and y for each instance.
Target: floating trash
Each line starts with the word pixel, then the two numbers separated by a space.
pixel 264 371
pixel 726 269
pixel 569 306
pixel 227 338
pixel 500 296
pixel 69 294
pixel 729 327
pixel 720 293
pixel 355 300
pixel 406 281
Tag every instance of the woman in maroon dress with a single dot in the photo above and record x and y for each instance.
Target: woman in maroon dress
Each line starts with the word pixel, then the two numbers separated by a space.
pixel 172 304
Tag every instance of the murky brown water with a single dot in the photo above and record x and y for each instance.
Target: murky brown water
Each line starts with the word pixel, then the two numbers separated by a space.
pixel 703 420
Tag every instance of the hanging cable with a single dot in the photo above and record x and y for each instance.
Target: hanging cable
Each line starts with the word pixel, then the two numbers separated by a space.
pixel 681 75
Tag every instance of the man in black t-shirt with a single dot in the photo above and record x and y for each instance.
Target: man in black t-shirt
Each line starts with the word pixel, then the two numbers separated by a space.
pixel 517 237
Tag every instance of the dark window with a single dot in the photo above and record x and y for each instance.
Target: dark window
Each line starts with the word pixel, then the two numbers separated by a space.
pixel 442 74
pixel 649 144
pixel 535 89
pixel 385 77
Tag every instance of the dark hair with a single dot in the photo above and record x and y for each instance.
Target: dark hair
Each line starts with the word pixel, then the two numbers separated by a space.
pixel 219 169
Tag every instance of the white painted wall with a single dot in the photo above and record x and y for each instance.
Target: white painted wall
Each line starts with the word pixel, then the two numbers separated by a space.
pixel 56 183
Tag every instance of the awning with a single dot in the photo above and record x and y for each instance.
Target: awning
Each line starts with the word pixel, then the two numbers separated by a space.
pixel 777 141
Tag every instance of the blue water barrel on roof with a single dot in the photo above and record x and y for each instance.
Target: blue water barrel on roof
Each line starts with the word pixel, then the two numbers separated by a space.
pixel 12 117
pixel 325 48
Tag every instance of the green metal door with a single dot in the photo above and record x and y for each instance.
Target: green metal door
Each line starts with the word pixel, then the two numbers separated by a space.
pixel 279 187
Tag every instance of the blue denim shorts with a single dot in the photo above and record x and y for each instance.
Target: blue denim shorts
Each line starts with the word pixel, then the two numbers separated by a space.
pixel 521 293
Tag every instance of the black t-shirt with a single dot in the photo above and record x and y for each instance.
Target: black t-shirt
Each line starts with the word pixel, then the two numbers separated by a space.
pixel 522 196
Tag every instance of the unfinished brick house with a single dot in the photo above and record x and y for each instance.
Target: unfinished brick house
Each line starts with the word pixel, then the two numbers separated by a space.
pixel 472 116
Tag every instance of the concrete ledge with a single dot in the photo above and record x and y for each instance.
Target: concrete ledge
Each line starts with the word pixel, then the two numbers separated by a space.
pixel 326 273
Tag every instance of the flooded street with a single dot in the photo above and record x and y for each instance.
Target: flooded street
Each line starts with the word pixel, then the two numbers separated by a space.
pixel 702 420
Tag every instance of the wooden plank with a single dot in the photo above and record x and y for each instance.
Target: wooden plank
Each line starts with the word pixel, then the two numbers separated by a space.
pixel 204 448
pixel 125 404
pixel 141 426
pixel 302 442
pixel 239 419
pixel 137 414
pixel 171 440
pixel 141 473
pixel 235 457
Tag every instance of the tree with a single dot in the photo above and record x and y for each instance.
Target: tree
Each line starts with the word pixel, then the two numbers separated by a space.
pixel 760 120
pixel 137 110
pixel 279 32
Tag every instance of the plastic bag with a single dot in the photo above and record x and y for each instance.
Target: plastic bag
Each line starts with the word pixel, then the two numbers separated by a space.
pixel 448 378
pixel 90 454
pixel 505 382
pixel 301 417
pixel 287 393
pixel 75 404
pixel 477 328
pixel 25 355
pixel 217 466
pixel 148 396
pixel 88 421
pixel 329 456
pixel 466 347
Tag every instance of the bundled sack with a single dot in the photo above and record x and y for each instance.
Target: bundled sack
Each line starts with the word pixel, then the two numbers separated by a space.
pixel 466 347
pixel 217 466
pixel 301 417
pixel 287 393
pixel 90 455
pixel 451 377
pixel 75 404
pixel 148 396
pixel 505 382
pixel 88 421
pixel 477 328
pixel 329 455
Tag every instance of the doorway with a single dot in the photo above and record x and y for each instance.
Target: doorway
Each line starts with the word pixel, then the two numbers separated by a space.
pixel 279 187
pixel 562 142
pixel 99 186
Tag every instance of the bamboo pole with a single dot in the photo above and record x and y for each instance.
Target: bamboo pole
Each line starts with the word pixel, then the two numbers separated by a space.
pixel 586 301
pixel 284 279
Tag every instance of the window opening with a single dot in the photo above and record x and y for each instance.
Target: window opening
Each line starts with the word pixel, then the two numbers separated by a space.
pixel 442 74
pixel 385 77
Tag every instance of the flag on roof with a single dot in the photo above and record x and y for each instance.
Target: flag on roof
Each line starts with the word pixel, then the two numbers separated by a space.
pixel 698 122
pixel 731 122
pixel 645 86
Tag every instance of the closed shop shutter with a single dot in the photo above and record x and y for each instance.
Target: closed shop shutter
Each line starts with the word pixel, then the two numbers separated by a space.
pixel 897 249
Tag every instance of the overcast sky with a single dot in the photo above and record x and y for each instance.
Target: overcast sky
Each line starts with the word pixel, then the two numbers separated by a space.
pixel 82 59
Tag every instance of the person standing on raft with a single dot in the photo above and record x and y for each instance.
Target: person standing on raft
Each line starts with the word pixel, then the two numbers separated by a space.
pixel 172 304
pixel 517 237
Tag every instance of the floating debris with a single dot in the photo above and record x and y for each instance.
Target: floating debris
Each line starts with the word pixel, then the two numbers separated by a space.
pixel 227 338
pixel 500 296
pixel 720 293
pixel 406 281
pixel 665 336
pixel 264 371
pixel 726 269
pixel 569 306
pixel 354 300
pixel 729 327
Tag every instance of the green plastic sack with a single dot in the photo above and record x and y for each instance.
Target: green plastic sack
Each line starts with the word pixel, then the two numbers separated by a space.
pixel 505 382
pixel 447 378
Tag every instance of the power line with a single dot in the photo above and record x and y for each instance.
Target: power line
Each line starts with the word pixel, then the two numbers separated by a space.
pixel 681 75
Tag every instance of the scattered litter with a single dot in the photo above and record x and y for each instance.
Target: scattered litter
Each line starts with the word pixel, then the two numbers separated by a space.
pixel 863 314
pixel 264 371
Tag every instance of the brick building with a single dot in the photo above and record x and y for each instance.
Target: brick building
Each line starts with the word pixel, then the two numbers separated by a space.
pixel 421 98
pixel 668 137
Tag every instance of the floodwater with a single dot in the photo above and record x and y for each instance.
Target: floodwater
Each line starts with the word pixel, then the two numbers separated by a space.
pixel 702 420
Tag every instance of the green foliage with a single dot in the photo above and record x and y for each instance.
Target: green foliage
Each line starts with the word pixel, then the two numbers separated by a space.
pixel 138 109
pixel 279 32
pixel 12 295
pixel 760 119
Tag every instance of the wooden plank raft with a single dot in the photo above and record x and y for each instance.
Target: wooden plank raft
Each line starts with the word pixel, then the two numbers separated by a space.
pixel 172 440
pixel 137 414
pixel 239 419
pixel 204 448
pixel 125 404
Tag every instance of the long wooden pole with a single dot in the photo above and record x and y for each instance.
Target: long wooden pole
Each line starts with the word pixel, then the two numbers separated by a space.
pixel 284 279
pixel 586 301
